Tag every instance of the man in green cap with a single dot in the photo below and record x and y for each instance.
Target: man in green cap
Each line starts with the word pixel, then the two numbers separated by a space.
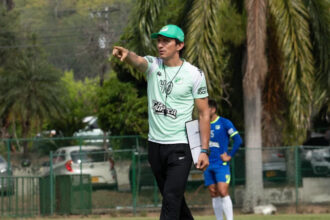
pixel 174 86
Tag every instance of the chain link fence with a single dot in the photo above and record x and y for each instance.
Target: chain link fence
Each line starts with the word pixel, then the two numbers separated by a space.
pixel 84 175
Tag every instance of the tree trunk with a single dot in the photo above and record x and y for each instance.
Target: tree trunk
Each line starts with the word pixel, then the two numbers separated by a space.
pixel 10 4
pixel 253 156
pixel 253 82
pixel 25 132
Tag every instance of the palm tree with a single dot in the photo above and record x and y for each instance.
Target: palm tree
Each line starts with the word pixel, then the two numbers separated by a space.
pixel 319 22
pixel 253 82
pixel 29 91
pixel 203 35
pixel 7 38
pixel 291 19
pixel 137 34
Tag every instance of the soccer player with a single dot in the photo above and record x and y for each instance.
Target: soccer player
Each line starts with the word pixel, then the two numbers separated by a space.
pixel 174 87
pixel 217 175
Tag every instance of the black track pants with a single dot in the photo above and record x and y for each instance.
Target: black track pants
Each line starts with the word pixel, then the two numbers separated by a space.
pixel 171 164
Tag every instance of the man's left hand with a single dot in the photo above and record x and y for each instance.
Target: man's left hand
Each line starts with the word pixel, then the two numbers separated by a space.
pixel 225 157
pixel 203 162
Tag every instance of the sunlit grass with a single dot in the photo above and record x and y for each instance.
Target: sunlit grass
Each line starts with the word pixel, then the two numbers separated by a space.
pixel 237 217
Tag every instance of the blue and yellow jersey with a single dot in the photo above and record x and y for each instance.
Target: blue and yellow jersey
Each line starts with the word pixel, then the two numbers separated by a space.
pixel 222 130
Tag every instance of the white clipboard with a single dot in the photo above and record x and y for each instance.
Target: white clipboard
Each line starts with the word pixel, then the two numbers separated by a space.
pixel 194 139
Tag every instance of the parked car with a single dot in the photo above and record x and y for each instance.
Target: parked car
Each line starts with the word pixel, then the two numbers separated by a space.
pixel 93 160
pixel 274 165
pixel 6 178
pixel 91 131
pixel 315 156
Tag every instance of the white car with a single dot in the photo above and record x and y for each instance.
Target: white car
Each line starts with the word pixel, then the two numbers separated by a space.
pixel 92 160
pixel 316 153
pixel 274 164
pixel 6 178
pixel 319 159
pixel 91 133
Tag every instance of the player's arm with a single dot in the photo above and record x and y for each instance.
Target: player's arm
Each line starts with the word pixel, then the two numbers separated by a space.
pixel 237 142
pixel 131 58
pixel 204 127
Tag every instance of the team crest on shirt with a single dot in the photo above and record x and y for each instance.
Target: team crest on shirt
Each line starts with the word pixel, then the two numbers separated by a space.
pixel 159 73
pixel 166 87
pixel 178 80
pixel 217 127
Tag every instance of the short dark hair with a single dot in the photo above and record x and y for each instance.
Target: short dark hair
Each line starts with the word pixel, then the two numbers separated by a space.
pixel 178 42
pixel 213 104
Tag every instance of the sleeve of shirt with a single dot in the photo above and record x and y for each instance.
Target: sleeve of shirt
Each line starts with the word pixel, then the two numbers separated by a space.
pixel 199 86
pixel 233 133
pixel 153 64
pixel 231 130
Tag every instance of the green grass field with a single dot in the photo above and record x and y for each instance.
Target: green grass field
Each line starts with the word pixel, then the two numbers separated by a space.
pixel 237 217
pixel 250 217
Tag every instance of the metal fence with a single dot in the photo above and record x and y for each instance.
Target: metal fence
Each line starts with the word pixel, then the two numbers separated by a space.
pixel 84 175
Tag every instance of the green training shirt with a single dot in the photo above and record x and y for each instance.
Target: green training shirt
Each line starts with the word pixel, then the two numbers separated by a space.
pixel 167 116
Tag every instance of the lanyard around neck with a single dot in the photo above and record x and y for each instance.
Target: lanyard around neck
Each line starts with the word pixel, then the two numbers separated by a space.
pixel 169 86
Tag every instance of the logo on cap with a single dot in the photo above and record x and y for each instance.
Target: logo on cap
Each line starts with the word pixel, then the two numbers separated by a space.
pixel 164 29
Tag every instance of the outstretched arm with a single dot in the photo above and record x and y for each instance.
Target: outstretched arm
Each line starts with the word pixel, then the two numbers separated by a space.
pixel 131 58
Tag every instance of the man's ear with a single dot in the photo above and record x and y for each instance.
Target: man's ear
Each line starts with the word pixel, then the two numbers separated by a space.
pixel 180 46
pixel 214 111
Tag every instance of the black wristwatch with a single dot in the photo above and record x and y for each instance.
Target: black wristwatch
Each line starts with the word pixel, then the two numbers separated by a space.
pixel 206 151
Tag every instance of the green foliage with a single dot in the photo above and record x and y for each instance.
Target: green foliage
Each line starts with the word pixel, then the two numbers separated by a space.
pixel 120 109
pixel 171 14
pixel 320 26
pixel 291 19
pixel 206 33
pixel 8 20
pixel 136 36
pixel 232 25
pixel 80 100
pixel 76 34
pixel 30 90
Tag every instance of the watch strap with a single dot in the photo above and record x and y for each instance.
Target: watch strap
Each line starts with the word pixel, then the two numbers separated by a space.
pixel 206 151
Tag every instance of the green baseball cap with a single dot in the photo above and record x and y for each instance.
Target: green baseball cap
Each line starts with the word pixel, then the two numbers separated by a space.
pixel 171 31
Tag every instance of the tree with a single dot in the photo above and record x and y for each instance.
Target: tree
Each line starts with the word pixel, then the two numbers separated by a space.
pixel 8 38
pixel 208 42
pixel 291 19
pixel 253 81
pixel 76 34
pixel 80 101
pixel 10 4
pixel 30 91
pixel 320 38
pixel 121 111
